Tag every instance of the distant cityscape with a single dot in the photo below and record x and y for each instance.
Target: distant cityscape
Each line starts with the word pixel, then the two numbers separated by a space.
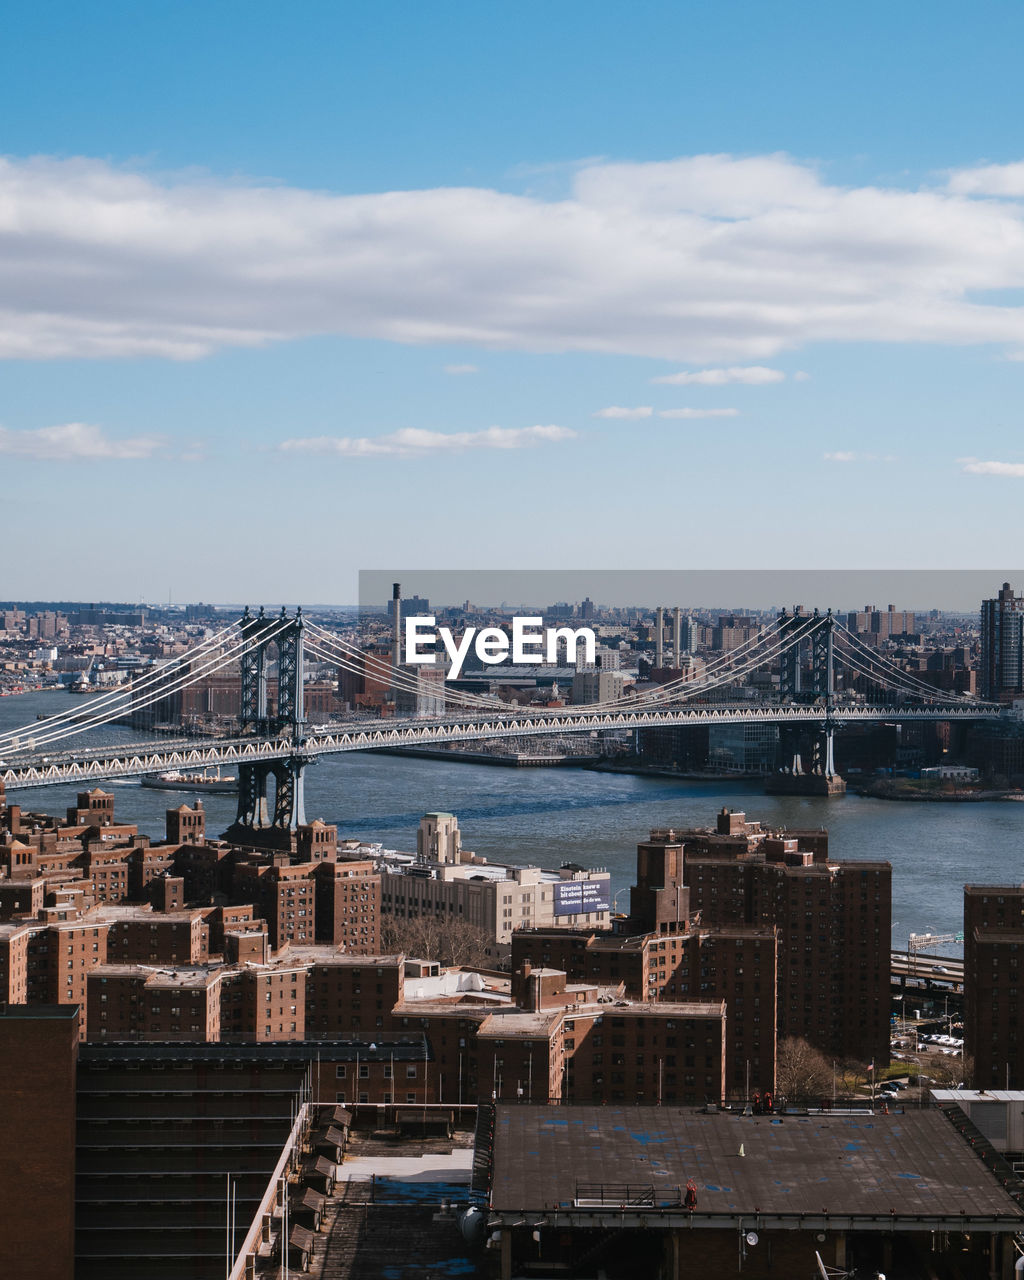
pixel 351 673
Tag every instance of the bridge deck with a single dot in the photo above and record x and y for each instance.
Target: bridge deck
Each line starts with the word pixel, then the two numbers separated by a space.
pixel 21 767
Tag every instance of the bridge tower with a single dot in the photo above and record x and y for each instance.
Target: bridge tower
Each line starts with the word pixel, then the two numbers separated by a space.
pixel 806 757
pixel 258 821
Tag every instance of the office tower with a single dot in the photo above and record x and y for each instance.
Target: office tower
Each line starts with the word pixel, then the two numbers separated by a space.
pixel 1001 666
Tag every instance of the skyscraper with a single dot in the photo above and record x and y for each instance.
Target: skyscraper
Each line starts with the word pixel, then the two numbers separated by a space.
pixel 1001 667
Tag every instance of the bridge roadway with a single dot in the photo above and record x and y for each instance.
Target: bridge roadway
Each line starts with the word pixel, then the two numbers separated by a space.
pixel 941 971
pixel 21 768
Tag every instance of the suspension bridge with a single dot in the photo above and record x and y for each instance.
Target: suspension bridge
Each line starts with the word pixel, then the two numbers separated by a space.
pixel 817 659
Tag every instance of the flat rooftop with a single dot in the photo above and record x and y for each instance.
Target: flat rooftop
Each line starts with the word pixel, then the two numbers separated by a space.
pixel 901 1168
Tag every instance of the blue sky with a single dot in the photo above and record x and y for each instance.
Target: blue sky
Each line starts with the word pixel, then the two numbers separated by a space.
pixel 292 291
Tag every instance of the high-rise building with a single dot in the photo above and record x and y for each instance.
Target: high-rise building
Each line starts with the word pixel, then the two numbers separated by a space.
pixel 882 624
pixel 1001 666
pixel 833 920
pixel 590 685
pixel 38 1060
pixel 993 955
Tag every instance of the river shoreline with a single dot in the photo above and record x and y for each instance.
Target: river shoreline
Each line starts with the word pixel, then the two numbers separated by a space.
pixel 886 791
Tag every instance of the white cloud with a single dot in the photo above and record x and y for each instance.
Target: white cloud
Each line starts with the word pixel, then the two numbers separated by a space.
pixel 460 370
pixel 841 455
pixel 620 411
pixel 415 440
pixel 698 413
pixel 710 259
pixel 801 376
pixel 989 180
pixel 751 375
pixel 975 467
pixel 75 441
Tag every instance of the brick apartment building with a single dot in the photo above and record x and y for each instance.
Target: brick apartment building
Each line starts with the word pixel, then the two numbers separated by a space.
pixel 86 892
pixel 261 959
pixel 38 1060
pixel 577 1045
pixel 993 983
pixel 732 967
pixel 794 944
pixel 833 918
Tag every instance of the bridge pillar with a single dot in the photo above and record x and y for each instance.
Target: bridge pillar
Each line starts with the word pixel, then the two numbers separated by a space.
pixel 252 795
pixel 289 802
pixel 806 756
pixel 257 821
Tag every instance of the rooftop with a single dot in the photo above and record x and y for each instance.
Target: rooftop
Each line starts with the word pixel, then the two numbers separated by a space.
pixel 37 1012
pixel 325 953
pixel 862 1166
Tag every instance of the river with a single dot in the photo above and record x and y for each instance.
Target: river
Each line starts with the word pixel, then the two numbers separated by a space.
pixel 551 816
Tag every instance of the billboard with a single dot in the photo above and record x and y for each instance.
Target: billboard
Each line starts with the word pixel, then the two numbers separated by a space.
pixel 578 897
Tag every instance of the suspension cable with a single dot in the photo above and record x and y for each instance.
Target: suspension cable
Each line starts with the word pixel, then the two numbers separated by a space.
pixel 407 683
pixel 907 680
pixel 400 676
pixel 99 700
pixel 880 680
pixel 209 667
pixel 723 675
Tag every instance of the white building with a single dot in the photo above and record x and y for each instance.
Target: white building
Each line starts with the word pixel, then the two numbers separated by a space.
pixel 438 838
pixel 498 899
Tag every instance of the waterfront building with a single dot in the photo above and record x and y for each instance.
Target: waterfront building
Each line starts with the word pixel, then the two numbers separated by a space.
pixel 496 899
pixel 427 698
pixel 84 893
pixel 1001 664
pixel 597 684
pixel 743 748
pixel 438 838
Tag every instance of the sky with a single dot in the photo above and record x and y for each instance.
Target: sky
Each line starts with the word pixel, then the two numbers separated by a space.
pixel 290 292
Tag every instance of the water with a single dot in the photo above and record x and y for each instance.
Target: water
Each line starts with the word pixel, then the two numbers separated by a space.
pixel 550 816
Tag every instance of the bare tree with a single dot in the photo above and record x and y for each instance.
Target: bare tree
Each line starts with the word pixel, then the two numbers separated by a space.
pixel 852 1076
pixel 944 1071
pixel 801 1070
pixel 445 940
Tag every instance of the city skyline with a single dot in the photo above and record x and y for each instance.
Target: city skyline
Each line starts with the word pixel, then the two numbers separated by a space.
pixel 707 285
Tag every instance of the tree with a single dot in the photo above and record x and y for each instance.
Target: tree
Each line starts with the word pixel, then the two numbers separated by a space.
pixel 852 1076
pixel 801 1070
pixel 943 1071
pixel 444 940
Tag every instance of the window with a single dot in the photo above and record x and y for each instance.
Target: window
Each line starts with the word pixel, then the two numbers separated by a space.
pixel 410 1071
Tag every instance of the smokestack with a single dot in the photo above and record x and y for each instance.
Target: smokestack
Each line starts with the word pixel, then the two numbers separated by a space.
pixel 396 642
pixel 677 637
pixel 659 637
